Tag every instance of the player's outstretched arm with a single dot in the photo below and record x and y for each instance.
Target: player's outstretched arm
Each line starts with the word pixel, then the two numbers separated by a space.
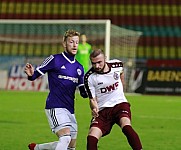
pixel 122 79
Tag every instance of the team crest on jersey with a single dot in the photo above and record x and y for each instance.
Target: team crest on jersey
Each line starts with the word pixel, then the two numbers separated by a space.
pixel 116 76
pixel 79 72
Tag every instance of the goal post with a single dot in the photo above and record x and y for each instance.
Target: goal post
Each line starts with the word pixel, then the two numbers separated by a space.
pixel 36 39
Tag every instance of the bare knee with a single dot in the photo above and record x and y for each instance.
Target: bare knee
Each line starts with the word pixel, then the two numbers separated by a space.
pixel 72 143
pixel 125 121
pixel 62 132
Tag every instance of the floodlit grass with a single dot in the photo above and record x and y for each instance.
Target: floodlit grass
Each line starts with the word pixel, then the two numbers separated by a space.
pixel 156 119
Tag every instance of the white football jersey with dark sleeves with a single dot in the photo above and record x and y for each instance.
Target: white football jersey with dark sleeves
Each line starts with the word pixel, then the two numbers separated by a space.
pixel 107 88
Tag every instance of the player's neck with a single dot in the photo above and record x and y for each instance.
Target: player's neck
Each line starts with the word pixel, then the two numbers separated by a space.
pixel 106 68
pixel 69 56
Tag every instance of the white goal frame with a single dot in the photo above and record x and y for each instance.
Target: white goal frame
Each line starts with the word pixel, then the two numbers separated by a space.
pixel 90 21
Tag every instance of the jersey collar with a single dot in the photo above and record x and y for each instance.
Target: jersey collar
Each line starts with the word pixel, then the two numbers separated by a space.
pixel 68 57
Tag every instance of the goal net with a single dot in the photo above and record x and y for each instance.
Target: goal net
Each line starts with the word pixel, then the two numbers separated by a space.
pixel 33 40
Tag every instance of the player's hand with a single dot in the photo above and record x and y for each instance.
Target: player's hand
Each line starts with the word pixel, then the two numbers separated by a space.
pixel 95 112
pixel 94 107
pixel 29 70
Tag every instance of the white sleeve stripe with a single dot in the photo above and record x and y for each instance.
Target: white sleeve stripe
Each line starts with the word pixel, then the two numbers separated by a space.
pixel 47 60
pixel 80 85
pixel 38 69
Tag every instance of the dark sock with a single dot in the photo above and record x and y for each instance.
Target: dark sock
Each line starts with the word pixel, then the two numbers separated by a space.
pixel 132 137
pixel 91 142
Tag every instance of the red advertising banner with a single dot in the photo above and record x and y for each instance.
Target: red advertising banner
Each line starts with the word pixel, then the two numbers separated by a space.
pixel 17 80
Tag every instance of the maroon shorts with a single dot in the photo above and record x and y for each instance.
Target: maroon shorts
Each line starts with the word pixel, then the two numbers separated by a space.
pixel 111 115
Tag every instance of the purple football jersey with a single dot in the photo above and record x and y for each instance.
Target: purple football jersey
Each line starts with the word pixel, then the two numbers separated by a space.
pixel 64 75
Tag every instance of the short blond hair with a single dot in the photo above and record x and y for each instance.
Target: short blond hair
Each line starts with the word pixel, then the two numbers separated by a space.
pixel 70 33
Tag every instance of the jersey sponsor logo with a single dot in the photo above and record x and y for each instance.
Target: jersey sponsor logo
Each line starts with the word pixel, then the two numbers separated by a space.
pixel 109 88
pixel 75 80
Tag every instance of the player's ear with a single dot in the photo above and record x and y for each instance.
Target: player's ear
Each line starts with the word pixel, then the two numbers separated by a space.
pixel 64 44
pixel 105 58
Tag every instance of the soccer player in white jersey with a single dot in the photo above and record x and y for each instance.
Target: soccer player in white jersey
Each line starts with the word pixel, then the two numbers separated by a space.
pixel 104 85
pixel 64 75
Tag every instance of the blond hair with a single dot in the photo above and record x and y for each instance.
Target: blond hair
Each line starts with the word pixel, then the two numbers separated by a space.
pixel 70 33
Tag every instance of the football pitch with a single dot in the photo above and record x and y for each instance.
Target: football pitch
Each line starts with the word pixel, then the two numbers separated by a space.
pixel 157 120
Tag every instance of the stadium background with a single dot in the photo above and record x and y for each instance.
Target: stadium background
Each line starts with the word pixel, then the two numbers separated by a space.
pixel 159 21
pixel 156 118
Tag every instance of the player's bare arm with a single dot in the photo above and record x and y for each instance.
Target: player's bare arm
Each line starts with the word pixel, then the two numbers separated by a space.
pixel 29 70
pixel 122 79
pixel 94 107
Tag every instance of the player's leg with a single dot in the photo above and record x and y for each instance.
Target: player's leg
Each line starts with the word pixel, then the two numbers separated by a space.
pixel 93 137
pixel 64 138
pixel 131 134
pixel 73 132
pixel 125 124
pixel 100 126
pixel 72 144
pixel 60 124
pixel 51 145
pixel 48 146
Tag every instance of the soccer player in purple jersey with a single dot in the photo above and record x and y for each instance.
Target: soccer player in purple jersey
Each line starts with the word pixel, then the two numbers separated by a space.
pixel 64 75
pixel 104 85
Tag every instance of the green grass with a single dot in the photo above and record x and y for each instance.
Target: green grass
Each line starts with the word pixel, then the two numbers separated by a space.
pixel 157 120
